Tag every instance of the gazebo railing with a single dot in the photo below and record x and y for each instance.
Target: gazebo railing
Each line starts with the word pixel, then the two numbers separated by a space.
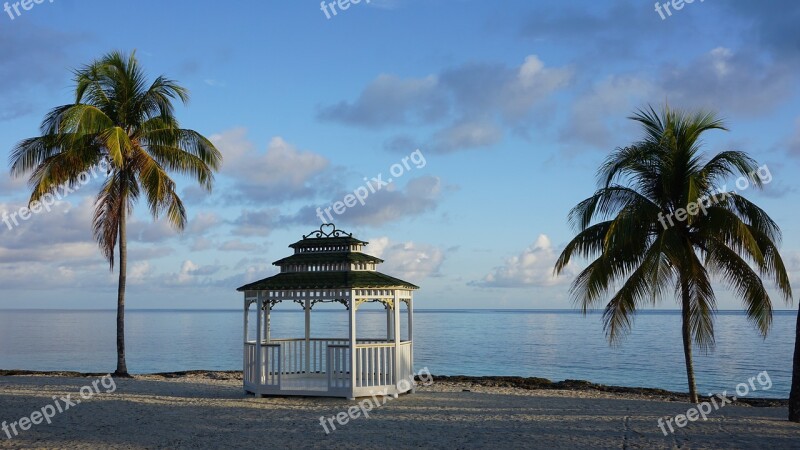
pixel 374 364
pixel 374 361
pixel 270 360
pixel 338 366
pixel 293 353
pixel 406 369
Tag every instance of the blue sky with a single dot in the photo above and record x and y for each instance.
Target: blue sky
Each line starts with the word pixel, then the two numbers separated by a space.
pixel 512 106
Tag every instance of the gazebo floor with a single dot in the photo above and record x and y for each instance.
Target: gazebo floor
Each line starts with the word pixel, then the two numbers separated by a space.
pixel 316 385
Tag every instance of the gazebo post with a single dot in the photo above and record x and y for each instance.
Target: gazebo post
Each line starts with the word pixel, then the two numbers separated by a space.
pixel 411 336
pixel 308 335
pixel 396 304
pixel 259 332
pixel 246 326
pixel 353 367
pixel 389 321
pixel 267 323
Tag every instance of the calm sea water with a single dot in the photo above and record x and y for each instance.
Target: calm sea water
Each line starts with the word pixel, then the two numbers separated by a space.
pixel 552 344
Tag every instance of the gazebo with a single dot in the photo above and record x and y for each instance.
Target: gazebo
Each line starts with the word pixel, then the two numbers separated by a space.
pixel 328 266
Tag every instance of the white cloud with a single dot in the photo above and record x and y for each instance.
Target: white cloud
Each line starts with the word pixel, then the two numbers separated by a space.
pixel 256 222
pixel 729 81
pixel 190 273
pixel 597 115
pixel 465 135
pixel 237 245
pixel 283 172
pixel 532 267
pixel 203 222
pixel 407 260
pixel 420 195
pixel 390 100
pixel 473 102
pixel 721 80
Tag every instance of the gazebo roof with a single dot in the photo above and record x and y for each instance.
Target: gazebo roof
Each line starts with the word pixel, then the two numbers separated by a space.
pixel 323 260
pixel 310 242
pixel 328 280
pixel 304 258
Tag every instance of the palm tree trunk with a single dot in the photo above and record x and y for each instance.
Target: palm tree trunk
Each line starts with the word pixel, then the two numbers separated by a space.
pixel 794 397
pixel 122 367
pixel 687 342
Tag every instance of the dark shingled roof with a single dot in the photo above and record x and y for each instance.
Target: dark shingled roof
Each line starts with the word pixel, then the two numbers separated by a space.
pixel 327 257
pixel 328 280
pixel 312 242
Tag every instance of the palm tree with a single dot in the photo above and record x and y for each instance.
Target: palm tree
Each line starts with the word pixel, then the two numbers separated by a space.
pixel 128 127
pixel 657 225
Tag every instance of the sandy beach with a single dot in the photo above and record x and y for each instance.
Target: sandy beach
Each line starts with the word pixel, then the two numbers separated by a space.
pixel 209 410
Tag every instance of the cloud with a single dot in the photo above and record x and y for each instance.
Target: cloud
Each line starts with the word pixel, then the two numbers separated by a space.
pixel 51 250
pixel 595 116
pixel 31 64
pixel 532 267
pixel 12 186
pixel 390 100
pixel 720 79
pixel 66 222
pixel 56 250
pixel 510 92
pixel 730 81
pixel 237 245
pixel 250 270
pixel 470 104
pixel 407 260
pixel 772 26
pixel 420 195
pixel 203 222
pixel 602 33
pixel 282 173
pixel 465 135
pixel 256 222
pixel 192 274
pixel 150 231
pixel 793 142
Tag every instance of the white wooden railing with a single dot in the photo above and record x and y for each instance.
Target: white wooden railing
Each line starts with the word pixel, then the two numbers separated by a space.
pixel 405 371
pixel 374 364
pixel 338 366
pixel 374 361
pixel 270 363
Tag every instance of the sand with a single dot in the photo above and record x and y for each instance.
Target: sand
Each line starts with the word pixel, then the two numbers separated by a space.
pixel 210 411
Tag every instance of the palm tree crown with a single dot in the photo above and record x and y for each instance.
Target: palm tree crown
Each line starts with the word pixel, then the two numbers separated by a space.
pixel 658 225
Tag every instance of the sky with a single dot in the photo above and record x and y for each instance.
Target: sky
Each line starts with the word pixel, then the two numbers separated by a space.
pixel 490 119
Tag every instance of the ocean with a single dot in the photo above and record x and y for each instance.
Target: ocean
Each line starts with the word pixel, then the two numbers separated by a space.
pixel 550 344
